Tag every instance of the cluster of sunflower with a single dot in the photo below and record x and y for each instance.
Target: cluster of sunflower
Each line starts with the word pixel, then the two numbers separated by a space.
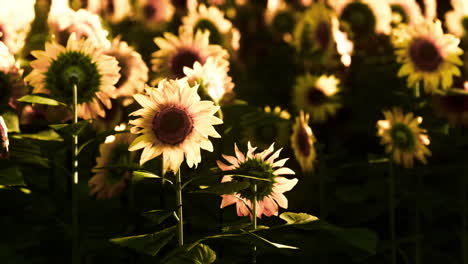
pixel 93 62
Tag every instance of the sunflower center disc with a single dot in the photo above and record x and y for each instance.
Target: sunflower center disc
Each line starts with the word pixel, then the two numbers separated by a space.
pixel 172 125
pixel 259 169
pixel 149 11
pixel 315 96
pixel 183 58
pixel 323 34
pixel 110 6
pixel 360 18
pixel 204 24
pixel 402 137
pixel 425 55
pixel 303 141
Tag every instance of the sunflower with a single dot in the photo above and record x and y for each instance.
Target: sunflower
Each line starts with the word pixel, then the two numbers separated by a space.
pixel 12 85
pixel 82 62
pixel 427 54
pixel 317 95
pixel 211 19
pixel 173 122
pixel 280 17
pixel 212 77
pixel 108 182
pixel 456 20
pixel 154 12
pixel 269 194
pixel 4 143
pixel 133 70
pixel 405 11
pixel 63 21
pixel 403 138
pixel 314 32
pixel 178 52
pixel 453 106
pixel 363 17
pixel 115 10
pixel 267 125
pixel 14 27
pixel 302 142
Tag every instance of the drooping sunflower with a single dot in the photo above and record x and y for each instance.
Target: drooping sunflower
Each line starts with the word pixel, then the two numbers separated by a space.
pixel 109 182
pixel 12 86
pixel 404 140
pixel 269 193
pixel 317 95
pixel 64 21
pixel 212 77
pixel 314 31
pixel 427 54
pixel 211 19
pixel 14 27
pixel 302 142
pixel 453 106
pixel 154 13
pixel 173 122
pixel 178 52
pixel 405 11
pixel 81 62
pixel 133 70
pixel 4 142
pixel 456 20
pixel 363 17
pixel 265 126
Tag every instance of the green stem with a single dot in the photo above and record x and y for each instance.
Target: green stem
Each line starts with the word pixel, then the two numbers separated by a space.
pixel 391 201
pixel 254 220
pixel 75 231
pixel 180 224
pixel 417 257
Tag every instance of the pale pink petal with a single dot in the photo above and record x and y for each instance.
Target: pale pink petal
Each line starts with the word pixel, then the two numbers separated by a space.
pixel 239 154
pixel 270 207
pixel 224 167
pixel 280 163
pixel 242 209
pixel 284 171
pixel 275 155
pixel 231 159
pixel 228 200
pixel 280 199
pixel 283 185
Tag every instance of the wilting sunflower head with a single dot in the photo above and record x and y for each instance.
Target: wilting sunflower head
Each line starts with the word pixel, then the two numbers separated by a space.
pixel 402 137
pixel 269 191
pixel 302 142
pixel 4 143
pixel 153 13
pixel 317 95
pixel 428 55
pixel 314 31
pixel 174 122
pixel 405 11
pixel 57 69
pixel 175 53
pixel 267 125
pixel 12 85
pixel 110 181
pixel 211 19
pixel 363 17
pixel 212 78
pixel 64 22
pixel 133 71
pixel 456 20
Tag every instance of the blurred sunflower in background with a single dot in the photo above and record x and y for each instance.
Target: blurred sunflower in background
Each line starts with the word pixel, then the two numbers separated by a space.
pixel 266 125
pixel 302 142
pixel 173 122
pixel 13 27
pixel 269 194
pixel 12 86
pixel 109 181
pixel 404 140
pixel 280 17
pixel 133 71
pixel 175 53
pixel 95 74
pixel 154 13
pixel 428 55
pixel 212 78
pixel 115 11
pixel 405 11
pixel 456 20
pixel 362 18
pixel 317 95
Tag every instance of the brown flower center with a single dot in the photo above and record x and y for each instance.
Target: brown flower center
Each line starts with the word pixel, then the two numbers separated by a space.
pixel 172 125
pixel 124 69
pixel 303 141
pixel 110 6
pixel 315 96
pixel 180 4
pixel 184 57
pixel 149 11
pixel 425 55
pixel 323 34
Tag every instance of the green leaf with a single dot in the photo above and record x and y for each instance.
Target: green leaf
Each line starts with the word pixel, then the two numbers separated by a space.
pixel 225 188
pixel 157 216
pixel 297 218
pixel 46 135
pixel 12 122
pixel 142 175
pixel 195 253
pixel 277 245
pixel 71 129
pixel 149 244
pixel 38 99
pixel 11 176
pixel 202 254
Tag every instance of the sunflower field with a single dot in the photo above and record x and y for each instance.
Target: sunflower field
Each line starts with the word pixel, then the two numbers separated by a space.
pixel 234 131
